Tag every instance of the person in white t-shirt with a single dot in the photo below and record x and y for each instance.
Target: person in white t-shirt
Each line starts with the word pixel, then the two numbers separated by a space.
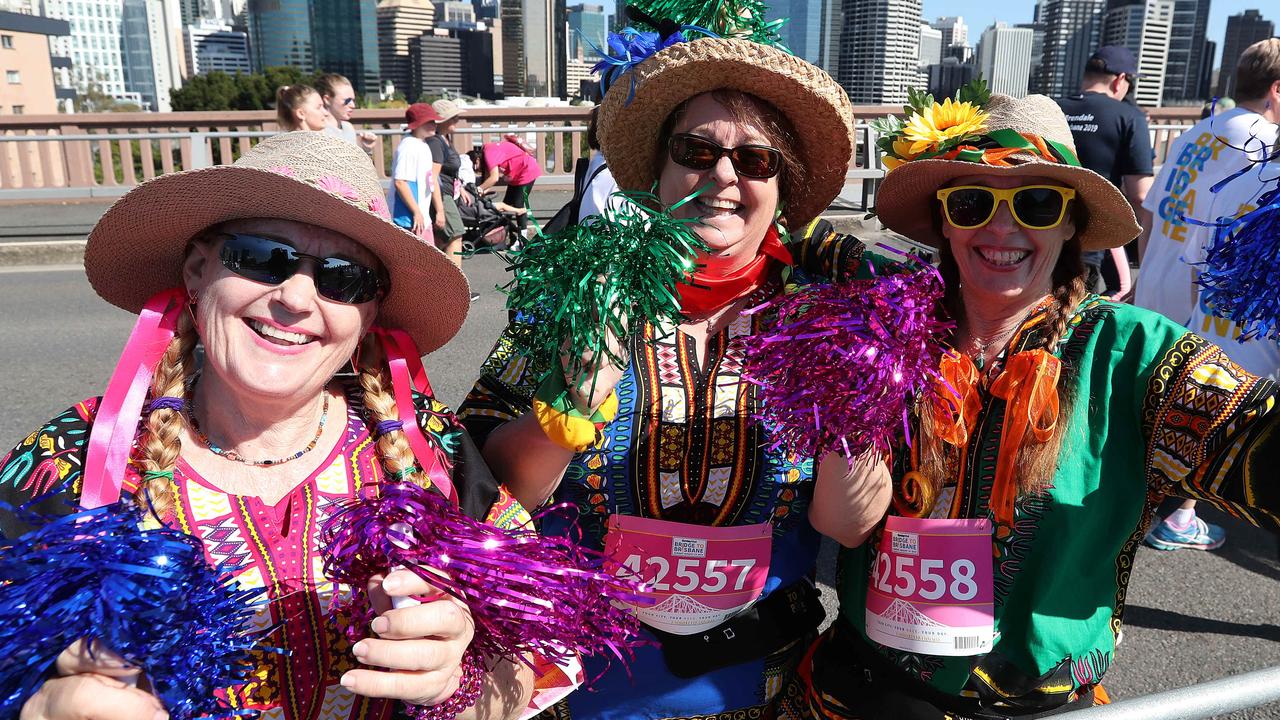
pixel 1228 149
pixel 413 185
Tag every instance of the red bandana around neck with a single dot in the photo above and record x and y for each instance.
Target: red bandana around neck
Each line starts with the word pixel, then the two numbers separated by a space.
pixel 704 292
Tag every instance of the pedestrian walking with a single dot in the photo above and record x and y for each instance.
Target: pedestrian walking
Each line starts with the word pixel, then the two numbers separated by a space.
pixel 299 107
pixel 512 160
pixel 1112 138
pixel 339 100
pixel 446 164
pixel 1215 172
pixel 414 191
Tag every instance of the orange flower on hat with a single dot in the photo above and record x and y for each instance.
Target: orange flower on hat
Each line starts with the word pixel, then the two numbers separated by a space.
pixel 942 122
pixel 902 152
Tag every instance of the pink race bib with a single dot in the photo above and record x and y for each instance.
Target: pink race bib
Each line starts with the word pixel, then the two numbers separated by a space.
pixel 931 587
pixel 697 576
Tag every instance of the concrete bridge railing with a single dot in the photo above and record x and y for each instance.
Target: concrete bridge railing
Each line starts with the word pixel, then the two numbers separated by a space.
pixel 105 154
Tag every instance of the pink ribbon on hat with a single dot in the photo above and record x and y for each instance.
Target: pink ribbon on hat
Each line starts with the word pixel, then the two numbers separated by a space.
pixel 115 426
pixel 407 373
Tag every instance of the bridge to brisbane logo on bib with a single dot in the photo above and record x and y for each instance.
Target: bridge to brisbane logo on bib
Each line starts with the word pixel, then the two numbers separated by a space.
pixel 685 611
pixel 904 612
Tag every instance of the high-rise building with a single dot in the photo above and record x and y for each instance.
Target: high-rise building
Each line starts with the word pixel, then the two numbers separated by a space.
pixel 214 45
pixel 453 62
pixel 533 48
pixel 20 7
pixel 339 36
pixel 1185 71
pixel 1143 26
pixel 152 48
pixel 26 51
pixel 345 33
pixel 802 32
pixel 947 77
pixel 1004 58
pixel 455 15
pixel 1072 29
pixel 93 45
pixel 1037 53
pixel 832 29
pixel 1206 69
pixel 879 50
pixel 930 45
pixel 1243 30
pixel 953 29
pixel 580 77
pixel 588 25
pixel 399 21
pixel 487 10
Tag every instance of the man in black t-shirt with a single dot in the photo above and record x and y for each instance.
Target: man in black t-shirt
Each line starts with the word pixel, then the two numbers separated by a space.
pixel 1111 139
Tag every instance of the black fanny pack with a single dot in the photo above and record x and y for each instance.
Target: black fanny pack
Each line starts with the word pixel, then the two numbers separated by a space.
pixel 787 615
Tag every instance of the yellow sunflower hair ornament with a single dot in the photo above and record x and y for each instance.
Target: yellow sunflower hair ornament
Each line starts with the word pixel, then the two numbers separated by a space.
pixel 957 130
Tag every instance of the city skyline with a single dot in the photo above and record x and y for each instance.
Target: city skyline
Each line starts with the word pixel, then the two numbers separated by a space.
pixel 980 14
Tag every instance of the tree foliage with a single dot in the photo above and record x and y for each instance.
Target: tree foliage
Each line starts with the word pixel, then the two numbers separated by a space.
pixel 218 90
pixel 91 97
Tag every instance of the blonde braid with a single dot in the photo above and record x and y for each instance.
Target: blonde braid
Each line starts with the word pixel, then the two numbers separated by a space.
pixel 161 439
pixel 1038 462
pixel 392 448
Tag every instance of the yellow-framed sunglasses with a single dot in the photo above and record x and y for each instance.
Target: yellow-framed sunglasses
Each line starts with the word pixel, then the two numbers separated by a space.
pixel 1035 207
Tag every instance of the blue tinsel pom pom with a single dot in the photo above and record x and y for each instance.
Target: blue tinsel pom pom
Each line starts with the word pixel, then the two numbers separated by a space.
pixel 1241 271
pixel 627 49
pixel 148 595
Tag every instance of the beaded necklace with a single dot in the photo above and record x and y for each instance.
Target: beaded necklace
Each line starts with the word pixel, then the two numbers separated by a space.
pixel 234 456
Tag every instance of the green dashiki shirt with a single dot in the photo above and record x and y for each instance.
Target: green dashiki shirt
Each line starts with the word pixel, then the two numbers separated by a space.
pixel 1154 410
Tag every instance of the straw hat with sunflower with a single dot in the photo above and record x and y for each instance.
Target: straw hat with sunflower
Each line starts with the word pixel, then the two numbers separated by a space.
pixel 980 133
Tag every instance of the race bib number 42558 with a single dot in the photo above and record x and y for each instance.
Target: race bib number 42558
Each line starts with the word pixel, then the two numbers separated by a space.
pixel 930 589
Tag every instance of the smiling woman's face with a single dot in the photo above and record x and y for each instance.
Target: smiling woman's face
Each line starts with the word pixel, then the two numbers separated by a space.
pixel 735 211
pixel 275 341
pixel 1003 261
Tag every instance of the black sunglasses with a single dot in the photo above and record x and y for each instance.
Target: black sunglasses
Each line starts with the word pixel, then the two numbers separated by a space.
pixel 698 153
pixel 270 261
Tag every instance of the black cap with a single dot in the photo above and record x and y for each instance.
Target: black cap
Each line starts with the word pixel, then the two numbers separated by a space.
pixel 1115 60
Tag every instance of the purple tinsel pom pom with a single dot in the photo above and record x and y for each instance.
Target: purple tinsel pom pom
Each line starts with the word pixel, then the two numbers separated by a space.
pixel 1242 271
pixel 148 595
pixel 526 593
pixel 841 362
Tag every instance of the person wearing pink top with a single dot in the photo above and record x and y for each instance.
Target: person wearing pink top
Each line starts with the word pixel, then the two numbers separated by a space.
pixel 512 160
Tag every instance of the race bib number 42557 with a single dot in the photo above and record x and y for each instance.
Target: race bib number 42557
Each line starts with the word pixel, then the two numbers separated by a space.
pixel 696 576
pixel 930 589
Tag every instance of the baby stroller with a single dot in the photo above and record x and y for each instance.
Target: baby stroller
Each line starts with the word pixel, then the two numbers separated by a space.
pixel 487 227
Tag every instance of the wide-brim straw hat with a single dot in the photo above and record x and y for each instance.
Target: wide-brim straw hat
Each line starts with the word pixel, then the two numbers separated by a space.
pixel 907 199
pixel 137 248
pixel 817 107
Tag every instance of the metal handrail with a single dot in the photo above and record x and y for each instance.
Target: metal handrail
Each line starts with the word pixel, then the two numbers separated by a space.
pixel 1193 702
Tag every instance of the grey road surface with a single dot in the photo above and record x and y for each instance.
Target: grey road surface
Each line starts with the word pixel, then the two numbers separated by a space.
pixel 1191 617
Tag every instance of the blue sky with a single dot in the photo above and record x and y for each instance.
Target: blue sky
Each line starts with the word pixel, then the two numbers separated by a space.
pixel 978 14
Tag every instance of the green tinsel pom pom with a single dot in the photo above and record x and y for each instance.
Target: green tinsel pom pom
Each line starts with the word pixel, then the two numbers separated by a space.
pixel 577 286
pixel 741 19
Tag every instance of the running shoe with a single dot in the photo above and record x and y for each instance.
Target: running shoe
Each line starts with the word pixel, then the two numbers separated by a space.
pixel 1199 535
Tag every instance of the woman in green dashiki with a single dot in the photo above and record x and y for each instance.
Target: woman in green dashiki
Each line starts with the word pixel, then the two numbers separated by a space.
pixel 1064 421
